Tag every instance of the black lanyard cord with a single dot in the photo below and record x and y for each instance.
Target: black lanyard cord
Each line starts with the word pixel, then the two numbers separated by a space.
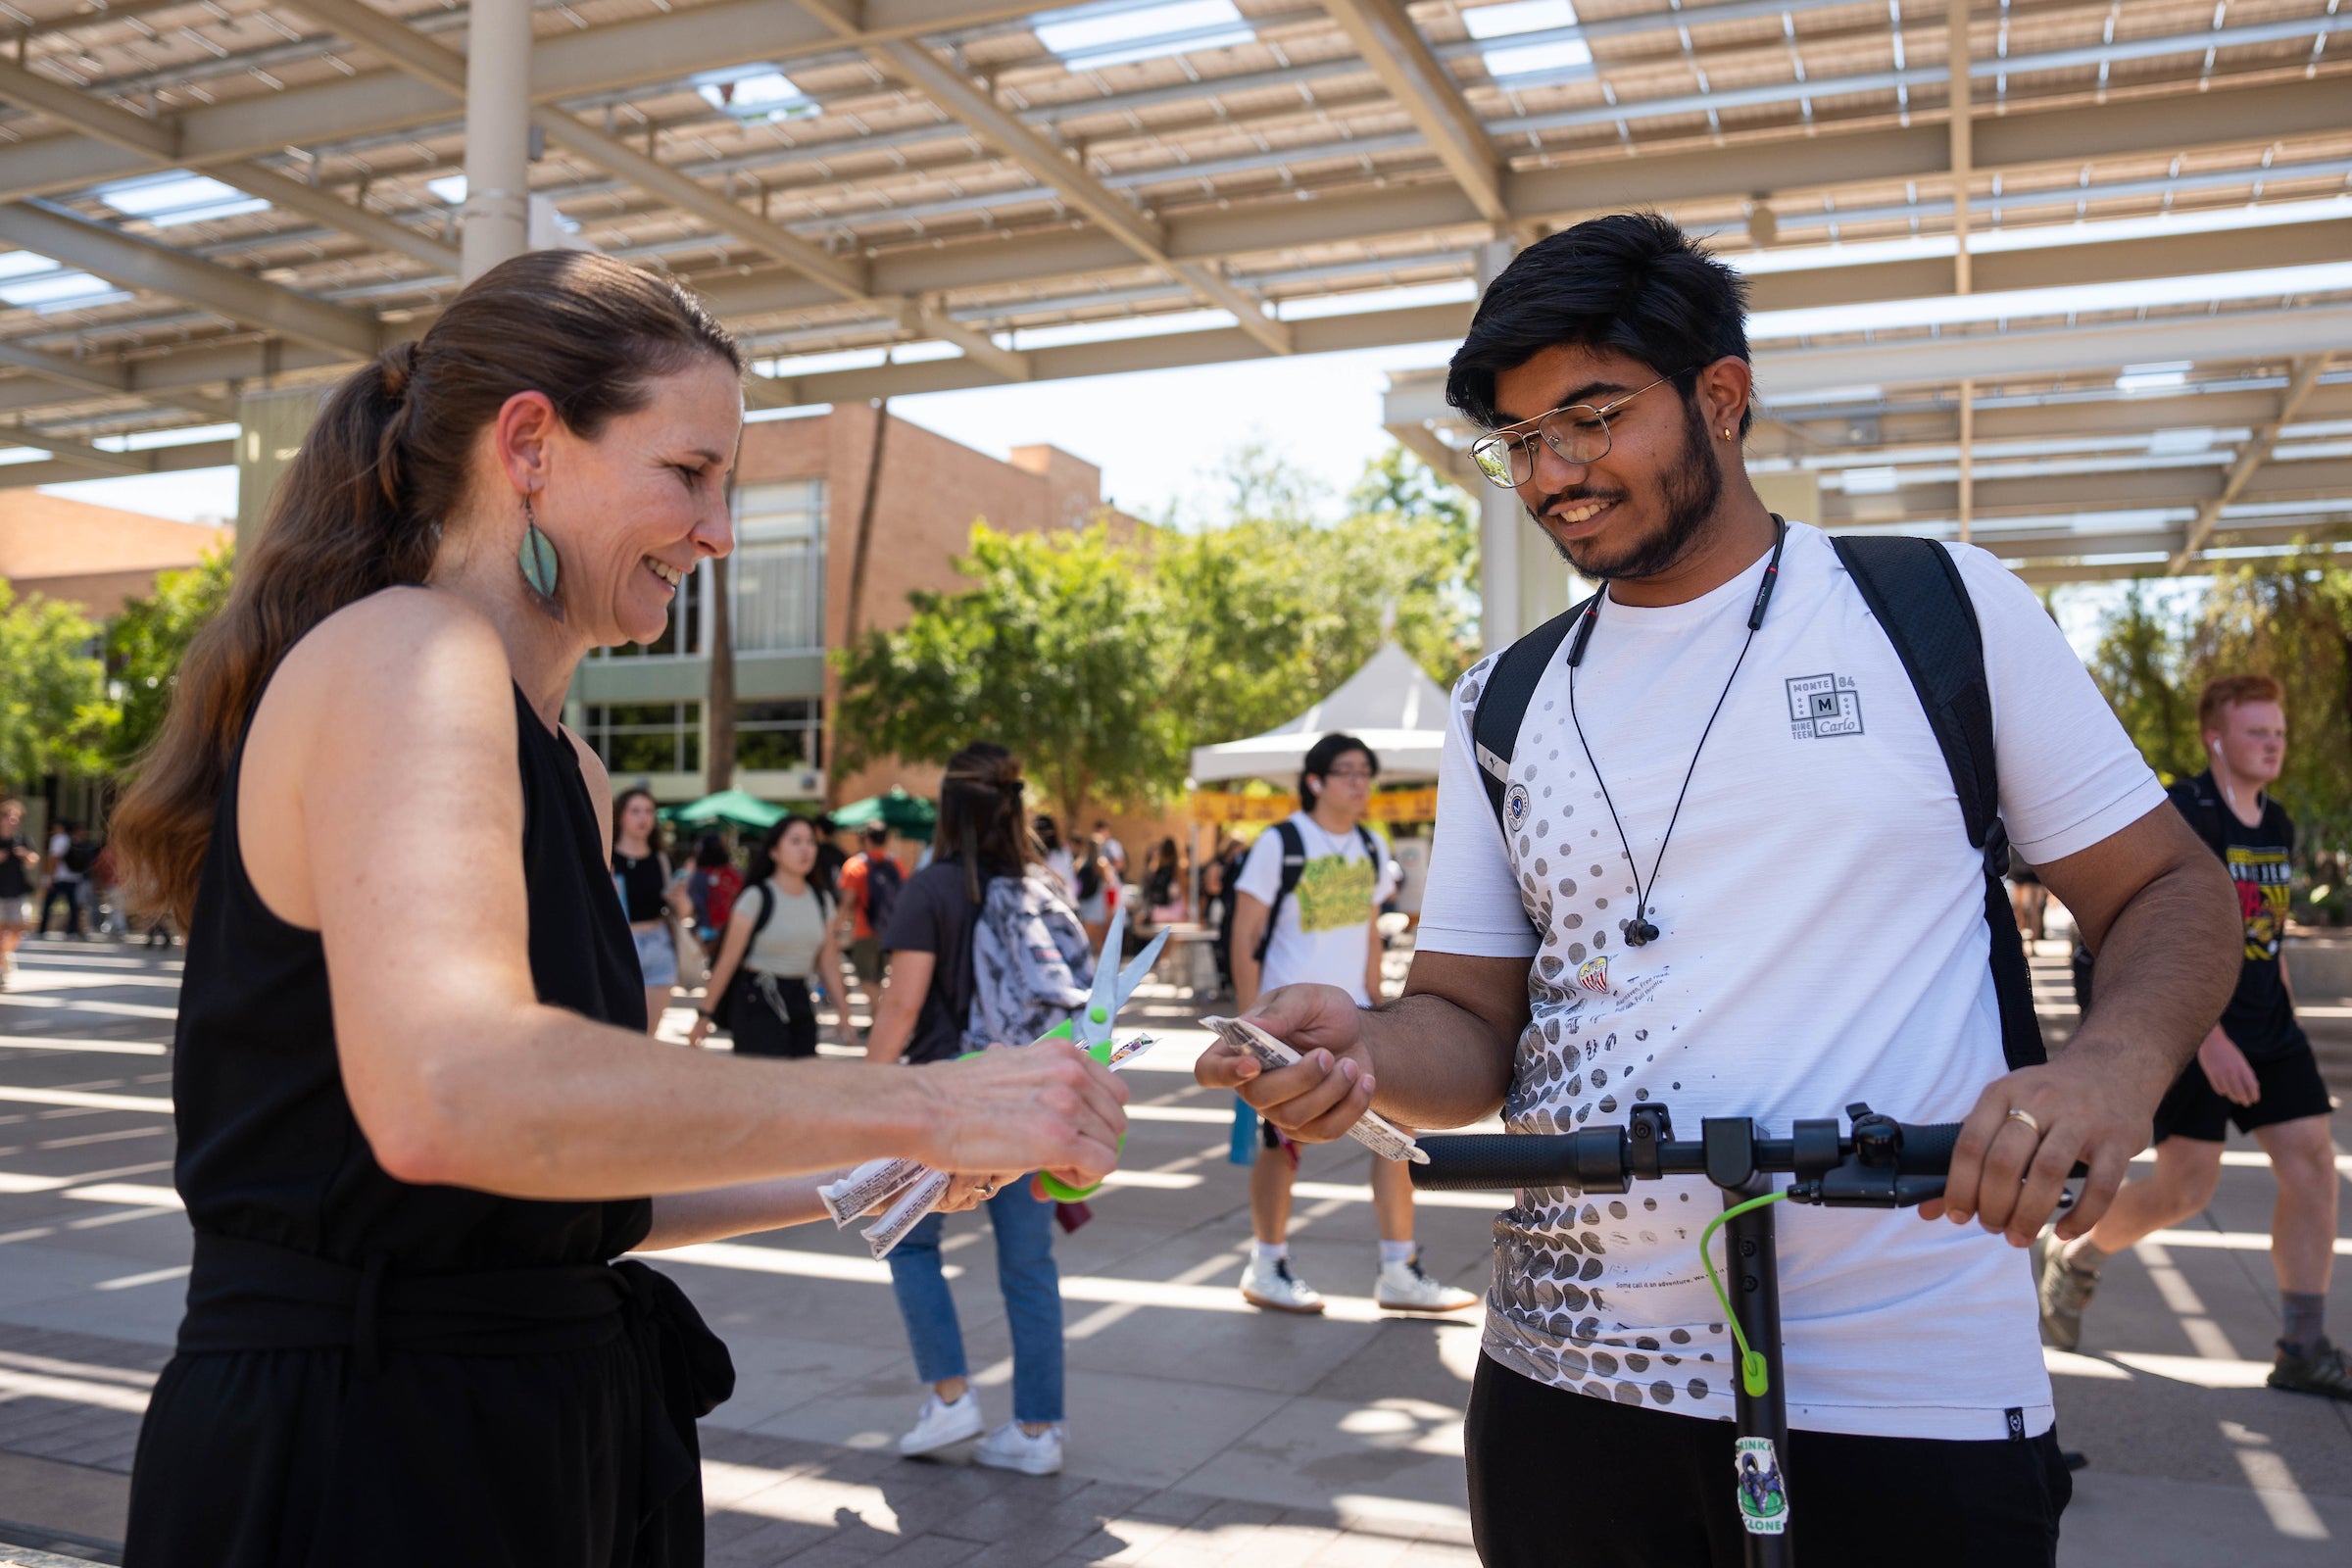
pixel 1639 931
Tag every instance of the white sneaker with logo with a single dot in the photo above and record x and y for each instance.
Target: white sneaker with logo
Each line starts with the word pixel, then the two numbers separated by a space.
pixel 1009 1448
pixel 1269 1283
pixel 1403 1287
pixel 942 1425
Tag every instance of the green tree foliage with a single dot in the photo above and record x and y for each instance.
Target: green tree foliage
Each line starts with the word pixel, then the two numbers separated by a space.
pixel 2289 618
pixel 1101 663
pixel 147 643
pixel 55 716
pixel 1053 651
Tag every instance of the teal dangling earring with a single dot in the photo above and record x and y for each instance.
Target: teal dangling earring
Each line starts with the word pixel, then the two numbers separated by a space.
pixel 539 565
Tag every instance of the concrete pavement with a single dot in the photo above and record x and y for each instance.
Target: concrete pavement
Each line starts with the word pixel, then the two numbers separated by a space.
pixel 1200 1431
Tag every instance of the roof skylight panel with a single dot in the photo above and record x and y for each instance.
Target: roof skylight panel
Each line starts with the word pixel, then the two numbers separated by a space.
pixel 1515 18
pixel 755 94
pixel 177 197
pixel 1119 33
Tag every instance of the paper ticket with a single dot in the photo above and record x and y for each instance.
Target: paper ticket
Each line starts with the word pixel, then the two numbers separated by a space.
pixel 1370 1130
pixel 918 1187
pixel 871 1183
pixel 912 1204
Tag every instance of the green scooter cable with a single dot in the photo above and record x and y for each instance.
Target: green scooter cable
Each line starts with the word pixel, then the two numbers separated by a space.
pixel 1753 1375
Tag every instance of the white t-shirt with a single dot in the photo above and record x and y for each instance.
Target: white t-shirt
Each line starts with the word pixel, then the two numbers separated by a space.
pixel 59 845
pixel 1323 931
pixel 1823 941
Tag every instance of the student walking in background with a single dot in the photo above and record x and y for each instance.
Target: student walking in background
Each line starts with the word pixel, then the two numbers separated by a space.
pixel 711 887
pixel 641 873
pixel 2256 1067
pixel 869 890
pixel 780 935
pixel 1308 898
pixel 19 868
pixel 983 839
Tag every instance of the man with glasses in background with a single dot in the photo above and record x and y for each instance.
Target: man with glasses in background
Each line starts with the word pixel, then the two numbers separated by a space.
pixel 1309 898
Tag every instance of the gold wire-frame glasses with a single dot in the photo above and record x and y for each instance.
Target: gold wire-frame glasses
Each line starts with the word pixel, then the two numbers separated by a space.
pixel 1578 432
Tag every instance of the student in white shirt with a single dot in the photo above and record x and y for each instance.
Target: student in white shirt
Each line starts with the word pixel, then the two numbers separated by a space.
pixel 1821 937
pixel 1309 898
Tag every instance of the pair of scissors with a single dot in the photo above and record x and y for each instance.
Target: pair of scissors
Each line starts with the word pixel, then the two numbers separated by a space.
pixel 1090 1029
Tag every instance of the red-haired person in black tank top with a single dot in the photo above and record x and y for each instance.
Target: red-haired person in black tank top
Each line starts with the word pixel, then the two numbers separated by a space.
pixel 403 1116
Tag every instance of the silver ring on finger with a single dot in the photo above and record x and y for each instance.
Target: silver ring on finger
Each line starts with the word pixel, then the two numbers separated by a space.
pixel 986 1189
pixel 2027 1117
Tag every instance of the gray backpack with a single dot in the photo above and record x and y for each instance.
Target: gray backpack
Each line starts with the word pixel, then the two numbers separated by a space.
pixel 1031 962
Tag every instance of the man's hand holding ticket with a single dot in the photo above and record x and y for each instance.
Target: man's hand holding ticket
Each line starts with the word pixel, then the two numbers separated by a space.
pixel 1326 1093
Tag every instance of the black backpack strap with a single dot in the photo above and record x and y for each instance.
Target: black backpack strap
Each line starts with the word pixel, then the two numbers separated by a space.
pixel 1293 866
pixel 2202 806
pixel 1500 704
pixel 768 908
pixel 1914 588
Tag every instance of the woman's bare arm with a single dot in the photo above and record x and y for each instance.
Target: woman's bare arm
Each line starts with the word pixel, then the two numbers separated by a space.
pixel 457 1073
pixel 680 1219
pixel 900 1005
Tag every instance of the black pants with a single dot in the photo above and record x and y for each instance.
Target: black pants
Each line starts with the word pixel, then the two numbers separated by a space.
pixel 1561 1480
pixel 761 1031
pixel 67 893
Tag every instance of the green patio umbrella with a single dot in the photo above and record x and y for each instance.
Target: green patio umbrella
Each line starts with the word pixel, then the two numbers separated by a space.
pixel 908 816
pixel 728 806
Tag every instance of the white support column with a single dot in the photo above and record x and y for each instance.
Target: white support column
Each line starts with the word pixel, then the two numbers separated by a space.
pixel 1501 520
pixel 496 217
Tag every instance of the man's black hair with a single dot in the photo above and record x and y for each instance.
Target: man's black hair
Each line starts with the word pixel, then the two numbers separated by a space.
pixel 1632 281
pixel 1323 755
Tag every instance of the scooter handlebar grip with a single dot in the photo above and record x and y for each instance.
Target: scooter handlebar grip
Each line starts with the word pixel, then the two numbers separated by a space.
pixel 1475 1162
pixel 1928 1147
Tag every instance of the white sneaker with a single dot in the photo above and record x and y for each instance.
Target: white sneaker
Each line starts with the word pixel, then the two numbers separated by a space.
pixel 1009 1448
pixel 1270 1283
pixel 942 1425
pixel 1403 1287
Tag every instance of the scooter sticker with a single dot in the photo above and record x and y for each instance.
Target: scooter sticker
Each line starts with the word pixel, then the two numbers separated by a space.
pixel 1763 1498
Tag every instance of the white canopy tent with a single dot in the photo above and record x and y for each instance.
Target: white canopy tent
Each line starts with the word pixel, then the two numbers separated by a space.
pixel 1389 704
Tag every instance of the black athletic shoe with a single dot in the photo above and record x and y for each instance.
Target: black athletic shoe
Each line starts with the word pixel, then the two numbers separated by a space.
pixel 2325 1371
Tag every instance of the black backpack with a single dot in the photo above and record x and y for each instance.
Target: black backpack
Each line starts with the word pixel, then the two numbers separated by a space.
pixel 882 879
pixel 2195 799
pixel 1915 590
pixel 1293 866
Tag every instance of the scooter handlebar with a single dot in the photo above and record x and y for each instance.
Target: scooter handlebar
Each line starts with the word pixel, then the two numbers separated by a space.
pixel 1605 1159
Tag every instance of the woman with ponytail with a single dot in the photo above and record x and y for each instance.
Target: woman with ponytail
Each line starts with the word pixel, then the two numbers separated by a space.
pixel 416 1132
pixel 983 834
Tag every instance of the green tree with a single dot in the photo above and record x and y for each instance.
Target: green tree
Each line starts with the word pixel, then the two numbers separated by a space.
pixel 55 716
pixel 2141 666
pixel 147 643
pixel 1054 651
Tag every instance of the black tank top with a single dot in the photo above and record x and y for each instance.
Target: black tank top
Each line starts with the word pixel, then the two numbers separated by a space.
pixel 269 1149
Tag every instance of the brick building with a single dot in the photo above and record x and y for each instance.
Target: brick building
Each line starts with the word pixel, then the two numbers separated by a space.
pixel 800 500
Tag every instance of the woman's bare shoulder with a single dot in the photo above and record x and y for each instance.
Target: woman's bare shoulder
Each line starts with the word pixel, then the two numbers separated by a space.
pixel 397 647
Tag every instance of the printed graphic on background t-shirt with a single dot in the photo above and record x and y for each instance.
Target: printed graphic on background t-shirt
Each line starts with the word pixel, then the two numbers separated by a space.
pixel 1333 892
pixel 2261 875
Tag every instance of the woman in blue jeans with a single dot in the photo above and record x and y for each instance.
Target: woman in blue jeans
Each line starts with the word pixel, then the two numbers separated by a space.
pixel 983 834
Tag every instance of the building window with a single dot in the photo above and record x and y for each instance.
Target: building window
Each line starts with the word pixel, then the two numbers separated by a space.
pixel 639 737
pixel 684 634
pixel 780 735
pixel 778 568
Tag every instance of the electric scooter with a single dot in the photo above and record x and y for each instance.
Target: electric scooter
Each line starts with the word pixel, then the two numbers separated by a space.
pixel 1882 1163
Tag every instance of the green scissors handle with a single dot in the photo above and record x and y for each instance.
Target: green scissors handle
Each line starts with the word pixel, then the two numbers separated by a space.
pixel 1058 1191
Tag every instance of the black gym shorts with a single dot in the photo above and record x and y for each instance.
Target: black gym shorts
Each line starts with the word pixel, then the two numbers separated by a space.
pixel 1562 1480
pixel 2291 1090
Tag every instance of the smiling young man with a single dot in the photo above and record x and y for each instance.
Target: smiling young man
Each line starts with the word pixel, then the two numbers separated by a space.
pixel 1738 882
pixel 2255 1067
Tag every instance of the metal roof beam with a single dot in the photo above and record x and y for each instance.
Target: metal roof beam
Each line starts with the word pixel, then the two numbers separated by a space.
pixel 138 264
pixel 159 142
pixel 1384 34
pixel 1049 166
pixel 445 69
pixel 63 469
pixel 106 380
pixel 2250 458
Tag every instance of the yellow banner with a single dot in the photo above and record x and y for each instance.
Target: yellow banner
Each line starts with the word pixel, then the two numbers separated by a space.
pixel 1261 810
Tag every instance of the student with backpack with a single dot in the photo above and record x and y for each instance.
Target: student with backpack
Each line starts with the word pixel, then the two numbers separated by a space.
pixel 869 890
pixel 1727 837
pixel 982 946
pixel 780 937
pixel 1308 904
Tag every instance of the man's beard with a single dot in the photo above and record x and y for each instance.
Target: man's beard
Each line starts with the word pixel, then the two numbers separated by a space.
pixel 1693 487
